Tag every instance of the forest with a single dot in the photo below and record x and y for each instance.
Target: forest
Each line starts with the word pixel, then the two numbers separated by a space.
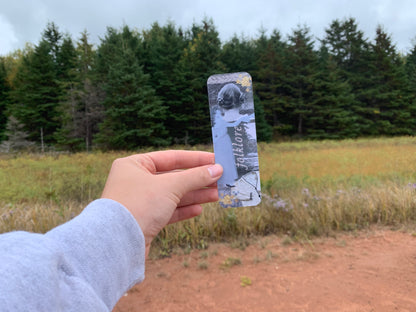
pixel 139 88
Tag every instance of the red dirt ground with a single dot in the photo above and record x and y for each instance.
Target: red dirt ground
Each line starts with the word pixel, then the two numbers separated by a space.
pixel 368 271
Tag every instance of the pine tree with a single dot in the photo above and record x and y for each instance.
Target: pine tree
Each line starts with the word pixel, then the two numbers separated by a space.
pixel 270 81
pixel 263 129
pixel 16 137
pixel 38 88
pixel 331 117
pixel 199 61
pixel 387 95
pixel 162 50
pixel 302 64
pixel 81 107
pixel 410 70
pixel 133 114
pixel 239 55
pixel 350 51
pixel 37 94
pixel 4 99
pixel 66 61
pixel 53 37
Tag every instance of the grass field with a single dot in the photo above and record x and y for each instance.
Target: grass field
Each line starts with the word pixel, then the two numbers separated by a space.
pixel 309 188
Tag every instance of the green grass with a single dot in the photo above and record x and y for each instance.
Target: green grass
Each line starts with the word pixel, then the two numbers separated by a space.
pixel 309 189
pixel 245 281
pixel 203 265
pixel 54 179
pixel 230 262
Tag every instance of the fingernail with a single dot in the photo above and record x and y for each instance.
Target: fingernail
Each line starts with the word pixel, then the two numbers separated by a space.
pixel 215 171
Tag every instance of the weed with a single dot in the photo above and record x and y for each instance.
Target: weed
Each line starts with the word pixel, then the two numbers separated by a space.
pixel 202 265
pixel 161 275
pixel 308 256
pixel 287 241
pixel 263 243
pixel 245 281
pixel 230 262
pixel 202 244
pixel 270 255
pixel 177 251
pixel 341 243
pixel 241 244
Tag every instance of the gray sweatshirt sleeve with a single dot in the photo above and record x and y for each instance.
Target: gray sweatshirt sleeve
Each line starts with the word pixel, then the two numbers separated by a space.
pixel 86 264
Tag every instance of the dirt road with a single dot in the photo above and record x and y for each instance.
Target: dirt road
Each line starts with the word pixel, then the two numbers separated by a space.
pixel 369 271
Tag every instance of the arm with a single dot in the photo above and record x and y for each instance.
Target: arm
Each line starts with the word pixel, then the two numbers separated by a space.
pixel 245 118
pixel 85 264
pixel 88 263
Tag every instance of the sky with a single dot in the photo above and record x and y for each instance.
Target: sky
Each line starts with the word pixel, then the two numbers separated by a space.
pixel 23 21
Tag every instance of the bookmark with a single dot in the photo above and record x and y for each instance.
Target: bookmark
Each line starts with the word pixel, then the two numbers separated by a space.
pixel 234 137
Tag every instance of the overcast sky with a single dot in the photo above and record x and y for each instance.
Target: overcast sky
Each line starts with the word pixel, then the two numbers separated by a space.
pixel 23 21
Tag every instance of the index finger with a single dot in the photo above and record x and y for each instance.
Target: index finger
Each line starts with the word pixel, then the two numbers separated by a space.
pixel 175 159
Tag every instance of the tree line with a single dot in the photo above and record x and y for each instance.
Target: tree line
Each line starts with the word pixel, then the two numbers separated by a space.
pixel 148 87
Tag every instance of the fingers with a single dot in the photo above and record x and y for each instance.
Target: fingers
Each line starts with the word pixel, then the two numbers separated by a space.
pixel 193 179
pixel 185 213
pixel 202 196
pixel 171 160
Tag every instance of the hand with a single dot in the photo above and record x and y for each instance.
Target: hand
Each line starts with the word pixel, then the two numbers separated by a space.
pixel 156 192
pixel 247 118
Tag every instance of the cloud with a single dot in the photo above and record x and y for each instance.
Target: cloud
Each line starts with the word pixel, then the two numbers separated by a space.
pixel 8 39
pixel 28 18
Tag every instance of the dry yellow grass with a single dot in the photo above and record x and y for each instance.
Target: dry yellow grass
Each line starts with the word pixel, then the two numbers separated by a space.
pixel 354 163
pixel 310 188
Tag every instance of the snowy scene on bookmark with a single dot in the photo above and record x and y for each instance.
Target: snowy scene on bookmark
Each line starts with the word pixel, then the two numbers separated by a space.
pixel 234 137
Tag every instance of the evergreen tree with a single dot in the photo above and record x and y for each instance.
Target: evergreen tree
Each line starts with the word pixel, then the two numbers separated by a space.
pixel 270 81
pixel 149 87
pixel 16 137
pixel 302 64
pixel 4 99
pixel 351 52
pixel 66 61
pixel 331 117
pixel 162 50
pixel 81 108
pixel 199 61
pixel 410 70
pixel 53 37
pixel 37 94
pixel 263 129
pixel 387 96
pixel 65 75
pixel 133 114
pixel 38 87
pixel 239 55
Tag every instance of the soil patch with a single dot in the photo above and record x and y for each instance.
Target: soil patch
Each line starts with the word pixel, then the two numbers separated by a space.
pixel 365 271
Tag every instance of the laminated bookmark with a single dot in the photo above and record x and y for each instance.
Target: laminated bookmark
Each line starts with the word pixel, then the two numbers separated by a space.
pixel 234 137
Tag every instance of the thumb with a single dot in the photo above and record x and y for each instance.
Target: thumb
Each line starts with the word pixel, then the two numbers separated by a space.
pixel 197 178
